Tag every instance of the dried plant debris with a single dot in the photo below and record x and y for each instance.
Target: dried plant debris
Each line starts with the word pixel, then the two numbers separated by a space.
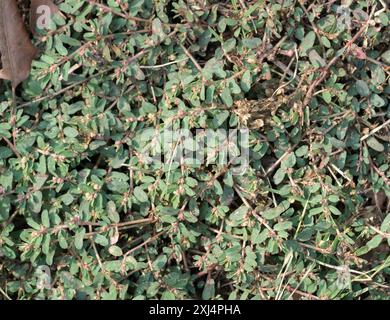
pixel 288 102
pixel 17 51
pixel 16 48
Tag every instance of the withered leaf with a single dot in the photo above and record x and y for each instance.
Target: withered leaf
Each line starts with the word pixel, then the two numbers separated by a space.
pixel 17 51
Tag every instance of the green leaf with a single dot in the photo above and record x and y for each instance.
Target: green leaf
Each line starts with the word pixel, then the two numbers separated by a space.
pixel 239 213
pixel 5 207
pixel 112 212
pixel 326 95
pixel 140 195
pixel 208 290
pixel 35 202
pixel 229 45
pixel 316 59
pixel 385 226
pixel 279 176
pixel 71 132
pixel 6 179
pixel 386 57
pixel 62 240
pixel 273 213
pixel 328 24
pixel 373 143
pixel 79 238
pixel 45 219
pixel 362 88
pixel 335 211
pixel 101 240
pixel 148 108
pixel 33 224
pixel 226 97
pixel 285 225
pixel 160 262
pixel 115 251
pixel 302 151
pixel 289 161
pixel 377 101
pixel 374 242
pixel 361 251
pixel 246 81
pixel 157 28
pixel 167 295
pixel 307 43
pixel 5 152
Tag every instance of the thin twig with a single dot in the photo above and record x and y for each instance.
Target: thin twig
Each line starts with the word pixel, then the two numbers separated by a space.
pixel 325 70
pixel 375 130
pixel 5 294
pixel 76 84
pixel 189 55
pixel 120 14
pixel 143 243
pixel 12 146
pixel 163 65
pixel 274 166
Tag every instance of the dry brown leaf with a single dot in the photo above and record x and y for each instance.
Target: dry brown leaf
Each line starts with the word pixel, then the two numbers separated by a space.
pixel 17 51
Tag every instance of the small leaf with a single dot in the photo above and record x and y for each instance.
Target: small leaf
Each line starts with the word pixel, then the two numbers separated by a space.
pixel 377 101
pixel 226 97
pixel 307 43
pixel 45 219
pixel 373 143
pixel 239 213
pixel 115 251
pixel 112 213
pixel 386 57
pixel 101 240
pixel 362 88
pixel 208 290
pixel 35 202
pixel 276 212
pixel 316 59
pixel 71 132
pixel 385 226
pixel 229 45
pixel 246 81
pixel 160 262
pixel 326 95
pixel 279 175
pixel 157 28
pixel 79 238
pixel 374 242
pixel 289 161
pixel 285 225
pixel 5 152
pixel 140 194
pixel 334 210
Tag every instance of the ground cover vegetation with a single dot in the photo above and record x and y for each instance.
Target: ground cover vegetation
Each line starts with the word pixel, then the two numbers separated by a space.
pixel 83 215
